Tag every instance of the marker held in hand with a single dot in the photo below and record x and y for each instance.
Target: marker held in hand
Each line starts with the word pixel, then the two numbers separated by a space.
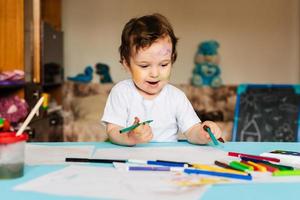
pixel 130 128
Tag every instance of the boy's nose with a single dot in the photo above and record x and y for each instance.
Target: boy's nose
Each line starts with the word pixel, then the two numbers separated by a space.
pixel 154 72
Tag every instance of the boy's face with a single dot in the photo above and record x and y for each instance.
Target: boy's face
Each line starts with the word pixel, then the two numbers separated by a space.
pixel 150 67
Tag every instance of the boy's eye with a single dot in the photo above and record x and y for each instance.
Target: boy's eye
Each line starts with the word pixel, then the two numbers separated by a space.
pixel 143 66
pixel 165 64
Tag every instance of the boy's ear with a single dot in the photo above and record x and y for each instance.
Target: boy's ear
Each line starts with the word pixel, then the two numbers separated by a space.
pixel 125 65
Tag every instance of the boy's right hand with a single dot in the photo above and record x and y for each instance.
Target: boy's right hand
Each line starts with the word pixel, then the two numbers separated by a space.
pixel 141 134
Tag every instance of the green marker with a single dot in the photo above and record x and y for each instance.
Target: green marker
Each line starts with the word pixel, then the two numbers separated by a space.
pixel 238 166
pixel 287 173
pixel 211 135
pixel 280 167
pixel 130 128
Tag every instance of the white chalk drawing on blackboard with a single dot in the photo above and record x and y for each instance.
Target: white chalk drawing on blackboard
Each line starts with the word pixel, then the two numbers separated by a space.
pixel 289 108
pixel 251 131
pixel 284 133
pixel 249 101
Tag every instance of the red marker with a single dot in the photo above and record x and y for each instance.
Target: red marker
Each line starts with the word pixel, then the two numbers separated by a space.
pixel 263 158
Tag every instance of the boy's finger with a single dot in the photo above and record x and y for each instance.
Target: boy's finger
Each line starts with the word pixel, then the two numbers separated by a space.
pixel 136 120
pixel 208 137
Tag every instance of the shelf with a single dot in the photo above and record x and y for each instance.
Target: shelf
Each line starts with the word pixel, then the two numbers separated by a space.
pixel 12 84
pixel 49 85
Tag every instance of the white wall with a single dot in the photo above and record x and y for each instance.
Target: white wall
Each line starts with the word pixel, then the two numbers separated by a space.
pixel 259 38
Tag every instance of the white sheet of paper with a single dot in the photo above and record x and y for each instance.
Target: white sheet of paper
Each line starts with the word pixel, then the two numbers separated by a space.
pixel 54 155
pixel 194 154
pixel 102 182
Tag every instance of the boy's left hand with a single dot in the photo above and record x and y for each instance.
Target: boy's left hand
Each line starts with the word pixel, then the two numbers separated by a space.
pixel 215 129
pixel 141 134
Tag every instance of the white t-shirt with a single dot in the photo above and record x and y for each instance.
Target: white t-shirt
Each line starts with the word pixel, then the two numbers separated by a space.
pixel 171 111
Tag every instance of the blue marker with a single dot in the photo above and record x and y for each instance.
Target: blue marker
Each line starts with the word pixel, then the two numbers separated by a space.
pixel 222 174
pixel 161 163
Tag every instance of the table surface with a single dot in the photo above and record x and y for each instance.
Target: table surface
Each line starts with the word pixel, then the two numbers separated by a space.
pixel 251 191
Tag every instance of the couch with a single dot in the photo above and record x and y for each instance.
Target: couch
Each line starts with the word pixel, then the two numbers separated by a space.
pixel 83 105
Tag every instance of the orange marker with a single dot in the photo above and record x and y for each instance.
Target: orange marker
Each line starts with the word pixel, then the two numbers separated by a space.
pixel 257 167
pixel 269 168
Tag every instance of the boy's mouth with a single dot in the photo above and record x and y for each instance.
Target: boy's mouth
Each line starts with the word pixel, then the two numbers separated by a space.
pixel 153 82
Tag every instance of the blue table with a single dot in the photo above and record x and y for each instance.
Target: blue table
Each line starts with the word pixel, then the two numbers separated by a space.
pixel 263 191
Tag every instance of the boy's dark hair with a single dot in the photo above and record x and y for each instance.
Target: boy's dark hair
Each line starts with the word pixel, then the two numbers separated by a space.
pixel 143 32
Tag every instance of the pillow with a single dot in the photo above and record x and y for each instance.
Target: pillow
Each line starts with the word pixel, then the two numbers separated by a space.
pixel 89 107
pixel 84 131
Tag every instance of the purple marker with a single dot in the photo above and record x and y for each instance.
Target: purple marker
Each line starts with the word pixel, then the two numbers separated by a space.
pixel 151 168
pixel 148 168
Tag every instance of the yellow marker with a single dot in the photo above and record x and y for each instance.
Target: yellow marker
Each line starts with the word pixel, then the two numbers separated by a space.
pixel 217 169
pixel 257 166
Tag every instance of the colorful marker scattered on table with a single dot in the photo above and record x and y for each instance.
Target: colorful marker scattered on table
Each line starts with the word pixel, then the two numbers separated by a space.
pixel 217 169
pixel 256 166
pixel 213 173
pixel 287 173
pixel 263 158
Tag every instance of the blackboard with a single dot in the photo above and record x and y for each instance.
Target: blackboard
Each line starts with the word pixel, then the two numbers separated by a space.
pixel 267 113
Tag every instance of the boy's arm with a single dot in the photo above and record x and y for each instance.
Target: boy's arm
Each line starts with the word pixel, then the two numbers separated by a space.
pixel 197 135
pixel 141 134
pixel 113 132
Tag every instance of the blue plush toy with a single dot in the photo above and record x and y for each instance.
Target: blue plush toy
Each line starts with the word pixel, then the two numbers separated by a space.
pixel 207 71
pixel 103 71
pixel 86 77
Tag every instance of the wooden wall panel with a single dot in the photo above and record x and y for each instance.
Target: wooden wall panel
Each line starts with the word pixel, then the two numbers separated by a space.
pixel 51 13
pixel 11 34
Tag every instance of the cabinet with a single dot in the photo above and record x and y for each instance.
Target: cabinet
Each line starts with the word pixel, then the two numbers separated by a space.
pixel 21 48
pixel 20 37
pixel 48 128
pixel 42 50
pixel 12 39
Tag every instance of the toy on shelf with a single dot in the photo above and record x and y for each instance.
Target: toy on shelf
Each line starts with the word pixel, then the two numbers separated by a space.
pixel 13 77
pixel 103 71
pixel 86 77
pixel 13 109
pixel 45 104
pixel 207 71
pixel 4 125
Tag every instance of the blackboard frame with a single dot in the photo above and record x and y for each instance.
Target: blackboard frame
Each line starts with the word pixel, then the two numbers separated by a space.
pixel 243 119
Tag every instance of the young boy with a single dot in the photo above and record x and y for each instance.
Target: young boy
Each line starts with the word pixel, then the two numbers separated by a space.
pixel 147 51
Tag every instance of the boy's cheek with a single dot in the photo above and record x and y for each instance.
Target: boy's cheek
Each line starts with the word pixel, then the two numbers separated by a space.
pixel 136 76
pixel 165 77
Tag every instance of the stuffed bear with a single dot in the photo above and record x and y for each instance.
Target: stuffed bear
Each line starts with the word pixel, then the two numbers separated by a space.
pixel 207 71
